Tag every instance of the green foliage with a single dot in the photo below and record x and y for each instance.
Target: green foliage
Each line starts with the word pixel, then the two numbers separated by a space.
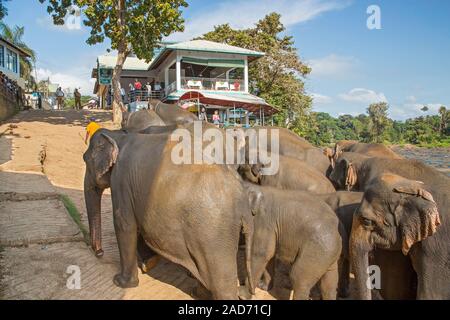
pixel 136 25
pixel 276 77
pixel 378 120
pixel 75 215
pixel 3 9
pixel 424 131
pixel 70 102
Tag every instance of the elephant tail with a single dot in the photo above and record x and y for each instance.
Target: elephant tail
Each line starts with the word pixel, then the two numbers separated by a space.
pixel 247 227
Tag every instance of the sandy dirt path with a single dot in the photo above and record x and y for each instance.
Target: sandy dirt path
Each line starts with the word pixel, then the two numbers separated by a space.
pixel 41 159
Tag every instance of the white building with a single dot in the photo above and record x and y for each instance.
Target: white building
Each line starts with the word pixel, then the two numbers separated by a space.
pixel 9 61
pixel 197 72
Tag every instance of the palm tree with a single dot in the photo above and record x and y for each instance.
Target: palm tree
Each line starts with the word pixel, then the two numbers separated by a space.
pixel 14 35
pixel 444 117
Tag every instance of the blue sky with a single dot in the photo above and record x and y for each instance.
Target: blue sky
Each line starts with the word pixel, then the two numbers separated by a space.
pixel 406 62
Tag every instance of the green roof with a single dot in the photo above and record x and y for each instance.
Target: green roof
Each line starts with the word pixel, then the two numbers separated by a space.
pixel 204 46
pixel 210 46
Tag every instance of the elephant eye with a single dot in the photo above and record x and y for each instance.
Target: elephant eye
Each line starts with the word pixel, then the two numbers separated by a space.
pixel 366 222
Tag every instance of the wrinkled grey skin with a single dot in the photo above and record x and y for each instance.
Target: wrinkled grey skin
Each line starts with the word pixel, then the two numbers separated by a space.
pixel 344 204
pixel 171 114
pixel 298 230
pixel 292 174
pixel 198 231
pixel 403 215
pixel 292 145
pixel 139 120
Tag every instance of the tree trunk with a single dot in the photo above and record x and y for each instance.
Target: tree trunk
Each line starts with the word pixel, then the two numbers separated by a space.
pixel 122 55
pixel 118 106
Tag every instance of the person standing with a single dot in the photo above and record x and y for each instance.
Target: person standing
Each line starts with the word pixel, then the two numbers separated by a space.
pixel 59 98
pixel 216 118
pixel 202 116
pixel 138 89
pixel 77 96
pixel 149 90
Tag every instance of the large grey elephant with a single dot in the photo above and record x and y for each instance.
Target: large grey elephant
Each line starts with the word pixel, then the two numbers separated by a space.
pixel 300 231
pixel 405 214
pixel 292 174
pixel 292 145
pixel 190 214
pixel 369 149
pixel 354 171
pixel 139 120
pixel 172 114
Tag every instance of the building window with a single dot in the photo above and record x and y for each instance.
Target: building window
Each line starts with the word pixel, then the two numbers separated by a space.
pixel 11 61
pixel 2 56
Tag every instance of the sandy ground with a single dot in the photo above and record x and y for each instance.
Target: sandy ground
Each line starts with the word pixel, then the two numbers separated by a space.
pixel 40 159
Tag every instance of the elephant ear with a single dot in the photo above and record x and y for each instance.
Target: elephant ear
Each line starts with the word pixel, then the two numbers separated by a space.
pixel 422 221
pixel 350 177
pixel 329 153
pixel 255 200
pixel 105 154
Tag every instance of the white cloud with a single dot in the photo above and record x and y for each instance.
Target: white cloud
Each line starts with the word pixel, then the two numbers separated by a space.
pixel 79 78
pixel 244 14
pixel 362 95
pixel 47 23
pixel 413 110
pixel 332 65
pixel 320 99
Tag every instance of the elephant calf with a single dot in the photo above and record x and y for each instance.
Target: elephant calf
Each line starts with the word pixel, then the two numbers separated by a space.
pixel 300 231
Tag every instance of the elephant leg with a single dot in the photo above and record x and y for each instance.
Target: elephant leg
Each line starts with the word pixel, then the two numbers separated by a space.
pixel 329 283
pixel 126 233
pixel 344 277
pixel 267 281
pixel 305 273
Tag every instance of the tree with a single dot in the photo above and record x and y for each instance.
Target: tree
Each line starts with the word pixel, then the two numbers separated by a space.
pixel 445 117
pixel 3 9
pixel 378 119
pixel 15 36
pixel 276 77
pixel 130 25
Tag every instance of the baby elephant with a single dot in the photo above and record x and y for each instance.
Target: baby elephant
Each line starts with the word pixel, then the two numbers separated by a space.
pixel 300 231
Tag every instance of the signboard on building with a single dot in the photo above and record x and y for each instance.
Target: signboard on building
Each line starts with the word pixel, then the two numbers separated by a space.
pixel 105 76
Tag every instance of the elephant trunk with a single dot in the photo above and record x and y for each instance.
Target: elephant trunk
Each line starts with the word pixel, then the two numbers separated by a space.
pixel 93 199
pixel 359 256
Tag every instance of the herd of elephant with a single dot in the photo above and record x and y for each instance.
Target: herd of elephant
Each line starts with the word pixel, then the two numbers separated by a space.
pixel 325 213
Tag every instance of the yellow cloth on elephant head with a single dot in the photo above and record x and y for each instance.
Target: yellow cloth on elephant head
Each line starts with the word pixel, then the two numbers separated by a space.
pixel 91 128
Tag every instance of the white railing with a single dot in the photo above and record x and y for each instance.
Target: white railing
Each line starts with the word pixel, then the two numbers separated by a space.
pixel 212 84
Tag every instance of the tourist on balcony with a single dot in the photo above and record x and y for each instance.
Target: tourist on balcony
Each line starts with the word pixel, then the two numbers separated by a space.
pixel 202 116
pixel 149 90
pixel 216 118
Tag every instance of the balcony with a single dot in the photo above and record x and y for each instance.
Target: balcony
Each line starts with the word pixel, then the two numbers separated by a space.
pixel 212 84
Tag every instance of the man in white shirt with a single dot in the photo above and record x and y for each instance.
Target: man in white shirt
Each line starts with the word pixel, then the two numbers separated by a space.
pixel 59 97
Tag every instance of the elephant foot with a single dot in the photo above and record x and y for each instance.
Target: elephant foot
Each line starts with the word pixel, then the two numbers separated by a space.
pixel 265 285
pixel 244 293
pixel 125 282
pixel 344 292
pixel 201 293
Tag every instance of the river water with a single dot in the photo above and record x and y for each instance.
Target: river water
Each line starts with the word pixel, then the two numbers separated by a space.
pixel 435 157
